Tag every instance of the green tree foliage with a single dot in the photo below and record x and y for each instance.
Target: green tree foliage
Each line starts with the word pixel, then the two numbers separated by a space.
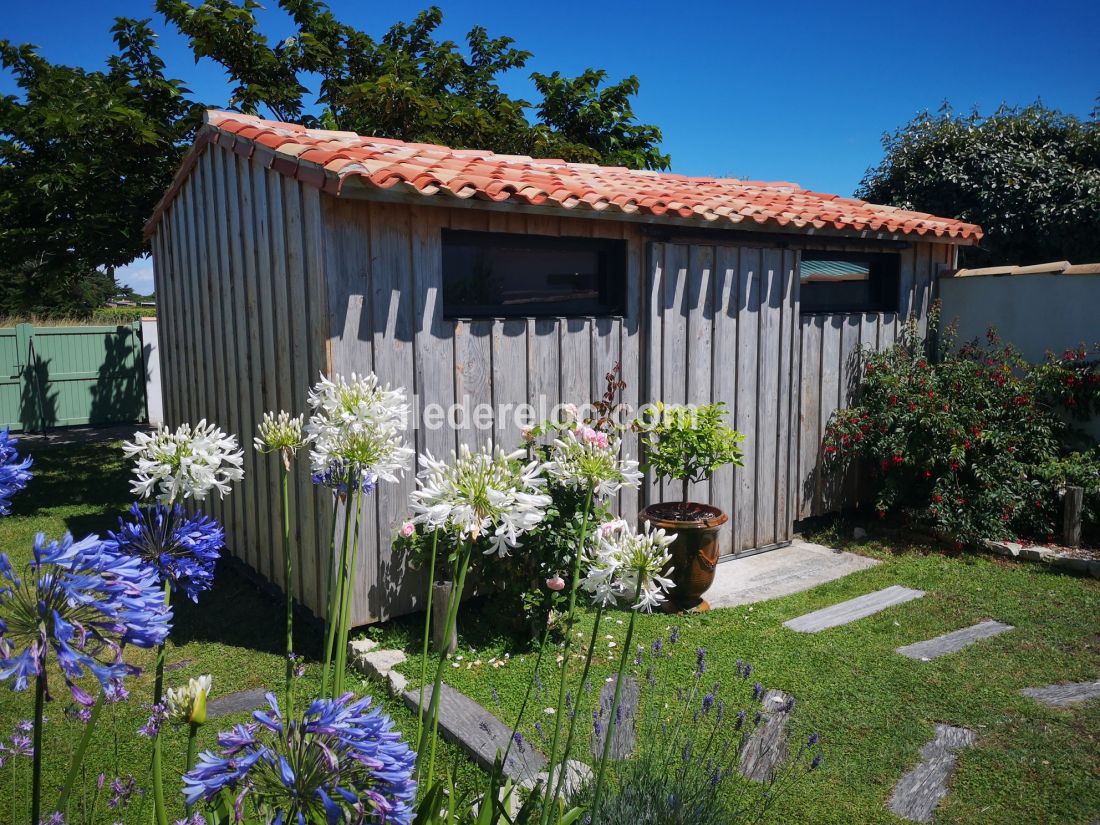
pixel 1030 176
pixel 84 155
pixel 412 86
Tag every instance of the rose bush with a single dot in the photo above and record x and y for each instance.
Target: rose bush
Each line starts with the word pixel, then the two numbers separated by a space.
pixel 960 443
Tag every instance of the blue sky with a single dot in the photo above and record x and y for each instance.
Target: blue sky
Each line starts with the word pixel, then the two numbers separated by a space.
pixel 792 91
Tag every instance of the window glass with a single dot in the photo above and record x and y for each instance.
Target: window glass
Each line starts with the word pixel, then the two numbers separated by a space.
pixel 844 282
pixel 501 275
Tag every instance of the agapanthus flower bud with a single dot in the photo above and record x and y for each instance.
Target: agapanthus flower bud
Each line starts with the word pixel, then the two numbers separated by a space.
pixel 187 704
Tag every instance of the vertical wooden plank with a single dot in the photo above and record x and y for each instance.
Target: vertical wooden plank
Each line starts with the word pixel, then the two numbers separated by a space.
pixel 434 334
pixel 162 286
pixel 181 379
pixel 189 289
pixel 604 350
pixel 699 315
pixel 391 289
pixel 907 284
pixel 767 429
pixel 809 426
pixel 632 351
pixel 831 382
pixel 923 293
pixel 473 374
pixel 576 359
pixel 748 331
pixel 787 356
pixel 724 376
pixel 652 341
pixel 543 366
pixel 509 385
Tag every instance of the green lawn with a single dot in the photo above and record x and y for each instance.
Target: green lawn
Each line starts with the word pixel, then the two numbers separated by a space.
pixel 873 708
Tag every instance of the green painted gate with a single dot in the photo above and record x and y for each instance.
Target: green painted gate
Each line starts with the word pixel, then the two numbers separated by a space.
pixel 60 376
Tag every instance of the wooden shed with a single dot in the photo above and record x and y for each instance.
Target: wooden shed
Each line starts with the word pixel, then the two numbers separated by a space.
pixel 481 279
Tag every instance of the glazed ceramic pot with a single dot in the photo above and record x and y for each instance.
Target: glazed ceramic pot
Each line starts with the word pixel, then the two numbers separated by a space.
pixel 694 553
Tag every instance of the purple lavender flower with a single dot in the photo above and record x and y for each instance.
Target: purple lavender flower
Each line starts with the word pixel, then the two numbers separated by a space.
pixel 55 818
pixel 657 646
pixel 123 789
pixel 700 661
pixel 14 473
pixel 812 740
pixel 596 726
pixel 341 759
pixel 674 636
pixel 183 549
pixel 757 691
pixel 815 763
pixel 740 723
pixel 539 730
pixel 708 703
pixel 83 601
pixel 195 819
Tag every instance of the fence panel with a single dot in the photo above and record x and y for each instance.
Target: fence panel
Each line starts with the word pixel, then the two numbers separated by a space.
pixel 62 376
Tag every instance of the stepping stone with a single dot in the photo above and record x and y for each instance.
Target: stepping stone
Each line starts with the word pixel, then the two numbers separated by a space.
pixel 853 609
pixel 377 664
pixel 919 791
pixel 623 743
pixel 236 702
pixel 480 734
pixel 180 665
pixel 1060 696
pixel 767 748
pixel 954 641
pixel 577 776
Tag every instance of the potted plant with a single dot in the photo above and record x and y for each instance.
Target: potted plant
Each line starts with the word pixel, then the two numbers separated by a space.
pixel 688 444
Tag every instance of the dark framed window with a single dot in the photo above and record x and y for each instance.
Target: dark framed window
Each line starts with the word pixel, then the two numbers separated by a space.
pixel 848 282
pixel 495 274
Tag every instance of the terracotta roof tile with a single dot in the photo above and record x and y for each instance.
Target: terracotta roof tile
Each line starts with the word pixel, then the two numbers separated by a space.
pixel 327 159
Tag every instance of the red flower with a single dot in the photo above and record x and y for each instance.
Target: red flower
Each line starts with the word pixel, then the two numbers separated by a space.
pixel 937 498
pixel 882 514
pixel 912 406
pixel 931 394
pixel 893 400
pixel 966 444
pixel 954 465
pixel 899 459
pixel 927 473
pixel 1038 505
pixel 946 407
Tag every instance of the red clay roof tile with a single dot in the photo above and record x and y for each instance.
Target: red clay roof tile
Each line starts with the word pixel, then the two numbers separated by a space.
pixel 327 159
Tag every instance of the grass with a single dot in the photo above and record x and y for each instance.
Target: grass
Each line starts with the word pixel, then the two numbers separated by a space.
pixel 873 708
pixel 235 633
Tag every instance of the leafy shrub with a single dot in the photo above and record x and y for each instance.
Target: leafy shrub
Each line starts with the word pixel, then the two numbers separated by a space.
pixel 688 443
pixel 960 443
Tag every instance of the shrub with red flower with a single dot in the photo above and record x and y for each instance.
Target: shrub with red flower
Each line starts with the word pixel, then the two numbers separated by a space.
pixel 965 443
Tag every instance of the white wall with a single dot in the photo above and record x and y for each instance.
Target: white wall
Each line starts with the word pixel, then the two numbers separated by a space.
pixel 1035 312
pixel 154 400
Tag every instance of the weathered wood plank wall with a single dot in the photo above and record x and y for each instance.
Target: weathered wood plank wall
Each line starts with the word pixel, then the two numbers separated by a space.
pixel 720 326
pixel 830 346
pixel 383 265
pixel 241 291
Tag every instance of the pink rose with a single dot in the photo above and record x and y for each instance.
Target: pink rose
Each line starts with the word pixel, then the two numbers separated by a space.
pixel 407 529
pixel 556 583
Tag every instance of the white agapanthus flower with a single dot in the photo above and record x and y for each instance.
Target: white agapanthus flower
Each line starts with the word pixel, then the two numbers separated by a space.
pixel 581 456
pixel 188 703
pixel 487 493
pixel 187 463
pixel 280 433
pixel 357 425
pixel 621 558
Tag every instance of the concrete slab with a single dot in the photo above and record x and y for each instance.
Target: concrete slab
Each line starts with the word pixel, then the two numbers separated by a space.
pixel 767 748
pixel 1060 696
pixel 623 743
pixel 853 609
pixel 918 793
pixel 791 569
pixel 236 702
pixel 954 641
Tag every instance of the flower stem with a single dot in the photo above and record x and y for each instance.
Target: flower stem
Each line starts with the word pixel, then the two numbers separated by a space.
pixel 159 812
pixel 192 741
pixel 78 757
pixel 615 703
pixel 462 564
pixel 570 616
pixel 335 593
pixel 36 758
pixel 352 557
pixel 288 583
pixel 427 634
pixel 573 722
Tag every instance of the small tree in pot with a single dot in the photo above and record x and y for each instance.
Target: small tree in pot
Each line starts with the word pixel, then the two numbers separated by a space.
pixel 688 444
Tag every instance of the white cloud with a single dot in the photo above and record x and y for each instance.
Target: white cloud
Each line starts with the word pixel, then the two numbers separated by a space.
pixel 137 275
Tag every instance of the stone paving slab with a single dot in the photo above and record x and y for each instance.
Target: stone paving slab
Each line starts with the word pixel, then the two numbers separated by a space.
pixel 954 641
pixel 853 609
pixel 767 748
pixel 781 572
pixel 236 702
pixel 1060 696
pixel 480 734
pixel 623 743
pixel 919 791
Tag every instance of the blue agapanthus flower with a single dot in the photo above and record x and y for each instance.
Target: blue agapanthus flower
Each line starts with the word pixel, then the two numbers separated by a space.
pixel 14 472
pixel 342 761
pixel 343 477
pixel 83 602
pixel 182 549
